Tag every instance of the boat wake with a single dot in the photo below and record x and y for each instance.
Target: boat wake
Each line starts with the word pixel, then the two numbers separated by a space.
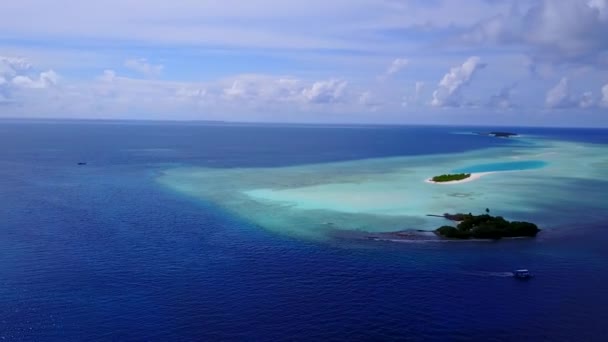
pixel 491 274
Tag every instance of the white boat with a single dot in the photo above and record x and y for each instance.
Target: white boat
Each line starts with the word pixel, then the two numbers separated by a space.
pixel 522 274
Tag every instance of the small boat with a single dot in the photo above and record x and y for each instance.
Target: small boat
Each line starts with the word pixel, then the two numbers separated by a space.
pixel 522 274
pixel 82 163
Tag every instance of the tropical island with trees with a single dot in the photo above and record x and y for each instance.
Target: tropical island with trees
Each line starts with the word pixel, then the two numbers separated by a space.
pixel 485 227
pixel 498 134
pixel 450 177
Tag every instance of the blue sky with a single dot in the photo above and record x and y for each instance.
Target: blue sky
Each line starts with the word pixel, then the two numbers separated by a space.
pixel 535 62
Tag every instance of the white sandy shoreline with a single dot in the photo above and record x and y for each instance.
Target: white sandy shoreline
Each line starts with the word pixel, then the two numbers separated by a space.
pixel 474 176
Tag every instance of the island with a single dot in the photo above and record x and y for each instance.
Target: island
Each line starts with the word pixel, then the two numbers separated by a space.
pixel 450 177
pixel 497 134
pixel 485 227
pixel 503 134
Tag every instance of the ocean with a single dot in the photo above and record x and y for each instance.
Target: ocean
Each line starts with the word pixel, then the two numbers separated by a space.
pixel 202 232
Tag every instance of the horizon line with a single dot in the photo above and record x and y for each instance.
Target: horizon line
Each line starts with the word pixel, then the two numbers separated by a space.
pixel 275 123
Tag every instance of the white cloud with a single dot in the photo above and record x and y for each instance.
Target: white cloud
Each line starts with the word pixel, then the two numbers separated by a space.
pixel 44 80
pixel 604 100
pixel 142 66
pixel 559 96
pixel 11 66
pixel 257 89
pixel 313 24
pixel 111 95
pixel 325 91
pixel 447 92
pixel 564 30
pixel 397 65
pixel 19 82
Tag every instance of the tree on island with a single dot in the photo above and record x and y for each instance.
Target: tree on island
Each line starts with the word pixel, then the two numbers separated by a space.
pixel 450 177
pixel 485 227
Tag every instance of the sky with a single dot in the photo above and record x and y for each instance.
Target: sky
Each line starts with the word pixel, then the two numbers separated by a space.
pixel 486 62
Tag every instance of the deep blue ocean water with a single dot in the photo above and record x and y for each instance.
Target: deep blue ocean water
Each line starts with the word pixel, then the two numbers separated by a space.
pixel 103 252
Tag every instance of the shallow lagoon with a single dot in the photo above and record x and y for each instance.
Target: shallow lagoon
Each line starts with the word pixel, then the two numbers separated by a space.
pixel 535 180
pixel 503 166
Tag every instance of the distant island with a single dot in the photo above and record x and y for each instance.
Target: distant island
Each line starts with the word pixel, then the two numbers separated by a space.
pixel 485 227
pixel 497 134
pixel 450 177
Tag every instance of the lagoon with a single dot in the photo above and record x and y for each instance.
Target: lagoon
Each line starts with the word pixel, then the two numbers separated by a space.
pixel 503 166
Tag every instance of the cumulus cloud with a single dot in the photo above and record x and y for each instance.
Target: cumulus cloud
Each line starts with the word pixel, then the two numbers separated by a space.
pixel 44 80
pixel 112 95
pixel 262 88
pixel 397 65
pixel 11 66
pixel 559 96
pixel 325 91
pixel 565 30
pixel 142 66
pixel 448 90
pixel 18 79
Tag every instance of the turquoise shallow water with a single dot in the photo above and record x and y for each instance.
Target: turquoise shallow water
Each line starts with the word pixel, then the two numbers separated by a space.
pixel 391 194
pixel 503 166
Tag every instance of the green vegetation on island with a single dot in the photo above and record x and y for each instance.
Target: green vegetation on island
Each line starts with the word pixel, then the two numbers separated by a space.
pixel 451 177
pixel 503 134
pixel 497 134
pixel 486 227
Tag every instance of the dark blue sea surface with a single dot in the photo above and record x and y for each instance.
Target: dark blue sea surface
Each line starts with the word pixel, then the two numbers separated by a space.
pixel 103 252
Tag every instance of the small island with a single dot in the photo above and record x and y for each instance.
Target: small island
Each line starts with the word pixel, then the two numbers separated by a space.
pixel 485 227
pixel 450 177
pixel 498 134
pixel 503 134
